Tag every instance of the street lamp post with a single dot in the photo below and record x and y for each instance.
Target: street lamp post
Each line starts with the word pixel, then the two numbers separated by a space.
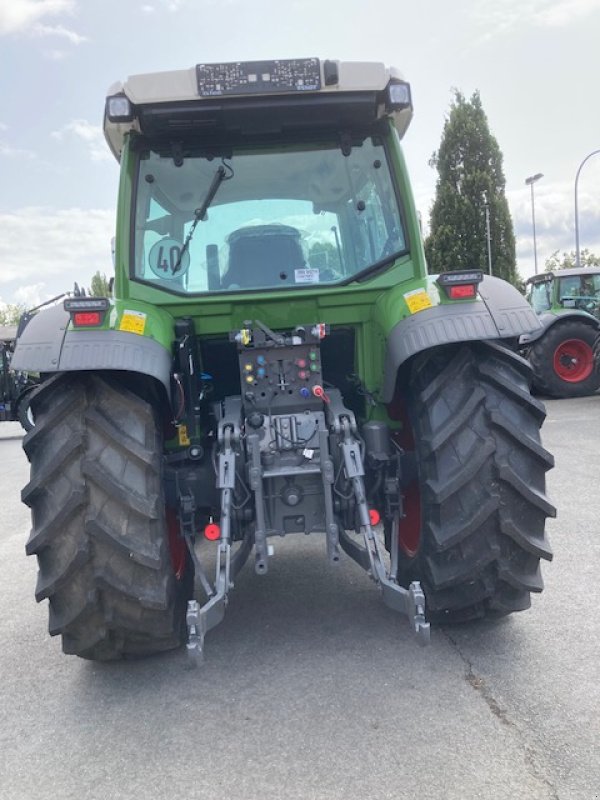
pixel 577 253
pixel 529 182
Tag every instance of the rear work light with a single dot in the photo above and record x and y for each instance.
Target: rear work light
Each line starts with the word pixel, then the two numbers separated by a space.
pixel 398 96
pixel 86 311
pixel 460 285
pixel 119 108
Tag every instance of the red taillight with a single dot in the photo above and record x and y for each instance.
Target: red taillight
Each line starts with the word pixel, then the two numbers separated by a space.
pixel 461 291
pixel 83 318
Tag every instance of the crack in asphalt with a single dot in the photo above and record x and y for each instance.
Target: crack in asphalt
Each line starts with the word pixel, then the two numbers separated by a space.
pixel 532 757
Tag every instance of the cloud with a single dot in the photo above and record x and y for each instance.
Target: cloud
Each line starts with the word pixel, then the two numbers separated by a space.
pixel 496 18
pixel 59 30
pixel 561 12
pixel 8 151
pixel 20 16
pixel 56 55
pixel 554 222
pixel 91 135
pixel 31 295
pixel 50 248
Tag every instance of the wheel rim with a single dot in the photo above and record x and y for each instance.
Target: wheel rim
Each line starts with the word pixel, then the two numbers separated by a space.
pixel 573 360
pixel 409 529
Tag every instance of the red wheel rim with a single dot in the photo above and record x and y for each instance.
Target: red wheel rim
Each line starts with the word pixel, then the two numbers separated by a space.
pixel 573 360
pixel 177 545
pixel 409 534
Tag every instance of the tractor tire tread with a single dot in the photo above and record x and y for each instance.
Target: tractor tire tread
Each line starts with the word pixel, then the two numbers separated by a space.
pixel 482 477
pixel 99 529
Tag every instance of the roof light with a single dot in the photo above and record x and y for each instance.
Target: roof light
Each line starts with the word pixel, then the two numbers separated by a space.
pixel 119 108
pixel 398 96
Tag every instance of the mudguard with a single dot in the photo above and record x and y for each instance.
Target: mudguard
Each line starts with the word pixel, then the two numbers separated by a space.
pixel 500 312
pixel 549 318
pixel 47 345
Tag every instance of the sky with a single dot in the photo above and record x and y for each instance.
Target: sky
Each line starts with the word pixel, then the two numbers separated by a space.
pixel 534 62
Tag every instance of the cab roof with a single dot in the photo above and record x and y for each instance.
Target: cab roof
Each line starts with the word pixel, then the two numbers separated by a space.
pixel 563 273
pixel 245 99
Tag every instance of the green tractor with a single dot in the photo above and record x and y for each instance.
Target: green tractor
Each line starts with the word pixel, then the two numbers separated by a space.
pixel 562 351
pixel 276 361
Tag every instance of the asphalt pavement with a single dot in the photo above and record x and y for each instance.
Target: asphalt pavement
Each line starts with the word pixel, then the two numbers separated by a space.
pixel 312 688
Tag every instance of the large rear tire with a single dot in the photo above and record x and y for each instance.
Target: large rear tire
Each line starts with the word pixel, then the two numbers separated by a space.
pixel 98 511
pixel 481 481
pixel 563 360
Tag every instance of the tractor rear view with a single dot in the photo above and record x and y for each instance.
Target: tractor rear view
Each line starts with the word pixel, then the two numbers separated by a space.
pixel 276 361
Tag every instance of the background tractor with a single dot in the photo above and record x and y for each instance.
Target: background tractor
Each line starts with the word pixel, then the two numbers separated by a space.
pixel 15 387
pixel 561 352
pixel 276 361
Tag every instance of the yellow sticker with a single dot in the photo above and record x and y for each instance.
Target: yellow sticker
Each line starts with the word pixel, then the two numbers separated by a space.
pixel 417 300
pixel 133 322
pixel 184 439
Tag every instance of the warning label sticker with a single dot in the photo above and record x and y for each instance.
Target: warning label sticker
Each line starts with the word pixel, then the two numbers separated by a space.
pixel 417 300
pixel 133 322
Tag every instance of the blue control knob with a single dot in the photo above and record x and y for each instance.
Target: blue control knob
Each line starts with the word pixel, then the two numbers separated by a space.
pixel 260 360
pixel 261 372
pixel 305 392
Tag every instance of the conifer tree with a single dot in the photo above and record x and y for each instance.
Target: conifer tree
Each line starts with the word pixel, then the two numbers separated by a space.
pixel 470 175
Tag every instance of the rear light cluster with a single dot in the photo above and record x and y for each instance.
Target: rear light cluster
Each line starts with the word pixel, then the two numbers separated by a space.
pixel 460 285
pixel 86 312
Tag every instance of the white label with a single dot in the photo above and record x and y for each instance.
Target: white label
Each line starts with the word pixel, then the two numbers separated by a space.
pixel 306 275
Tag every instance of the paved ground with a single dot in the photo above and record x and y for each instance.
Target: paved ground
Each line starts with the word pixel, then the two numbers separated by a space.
pixel 312 688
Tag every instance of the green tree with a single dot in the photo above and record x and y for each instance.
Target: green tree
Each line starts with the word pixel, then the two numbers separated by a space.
pixel 99 286
pixel 470 175
pixel 10 313
pixel 568 260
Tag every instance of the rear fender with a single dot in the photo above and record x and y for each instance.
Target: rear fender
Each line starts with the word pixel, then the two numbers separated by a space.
pixel 548 319
pixel 48 345
pixel 500 312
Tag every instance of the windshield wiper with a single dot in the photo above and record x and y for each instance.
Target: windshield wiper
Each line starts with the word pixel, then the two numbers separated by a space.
pixel 374 269
pixel 200 212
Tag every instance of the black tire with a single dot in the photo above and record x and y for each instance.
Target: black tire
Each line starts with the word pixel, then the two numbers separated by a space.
pixel 481 475
pixel 546 379
pixel 23 409
pixel 98 512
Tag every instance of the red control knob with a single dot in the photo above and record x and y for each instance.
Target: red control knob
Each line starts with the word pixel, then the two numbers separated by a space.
pixel 212 532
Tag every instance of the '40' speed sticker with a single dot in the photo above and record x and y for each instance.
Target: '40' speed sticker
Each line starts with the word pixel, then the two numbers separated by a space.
pixel 167 259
